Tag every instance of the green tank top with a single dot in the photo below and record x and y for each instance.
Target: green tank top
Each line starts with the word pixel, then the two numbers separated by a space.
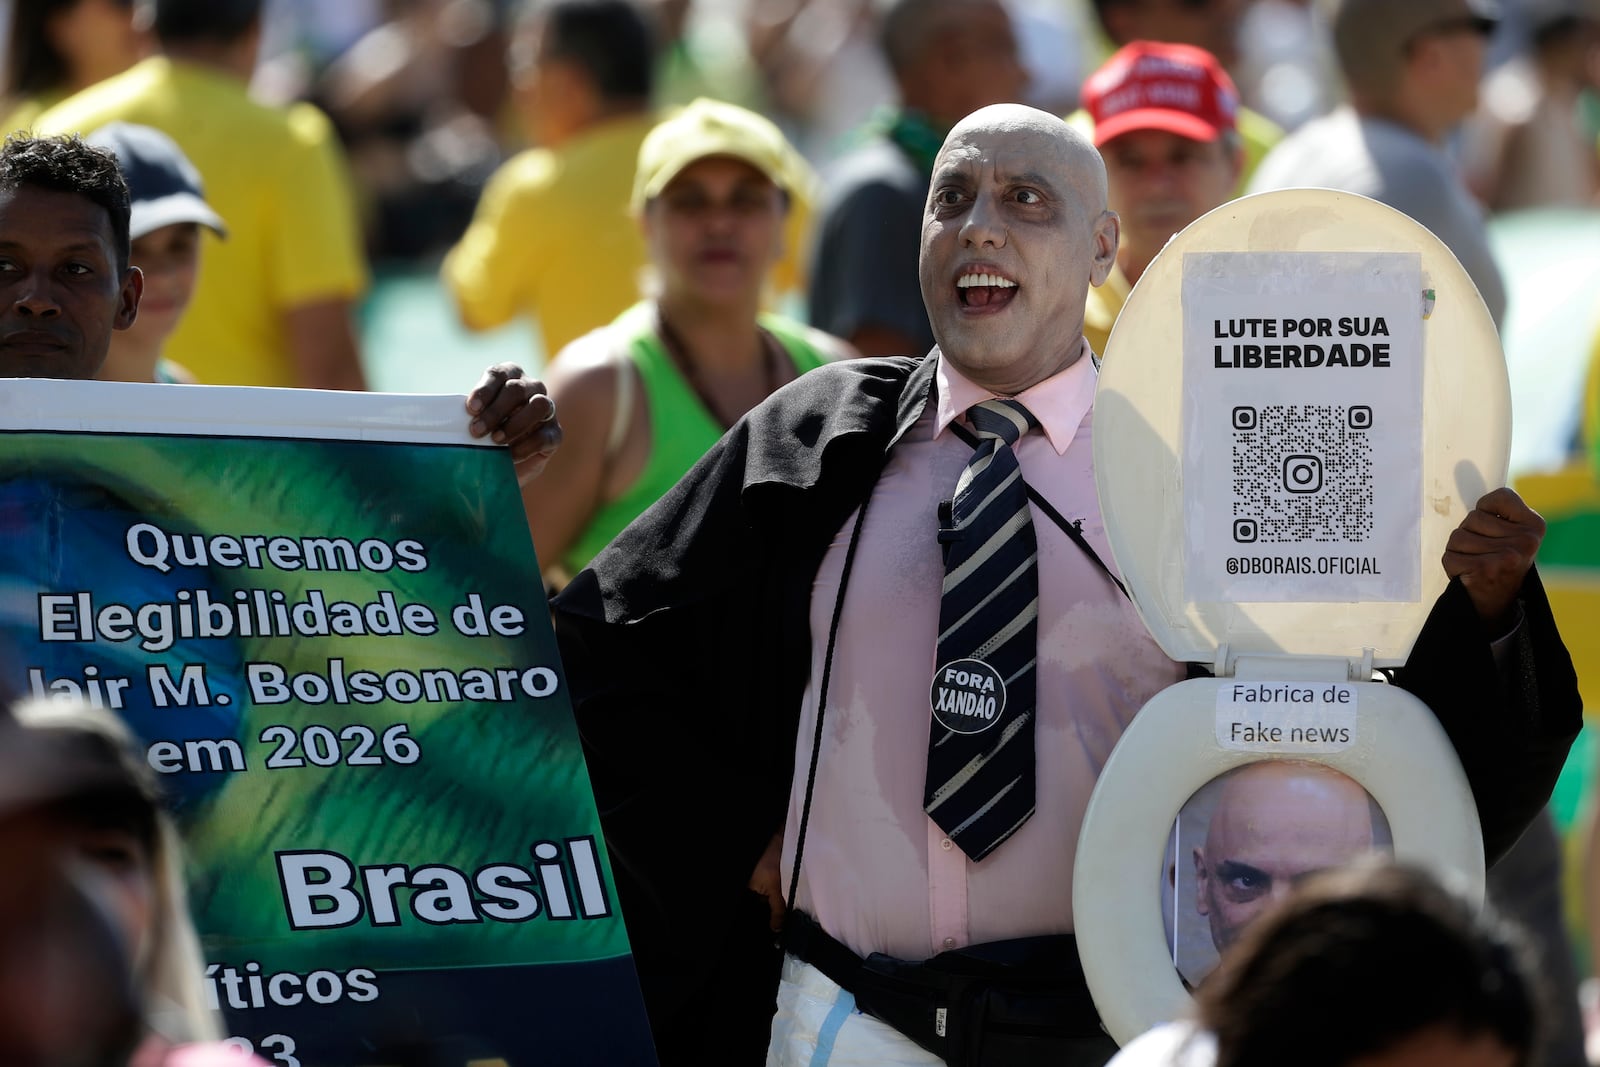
pixel 681 429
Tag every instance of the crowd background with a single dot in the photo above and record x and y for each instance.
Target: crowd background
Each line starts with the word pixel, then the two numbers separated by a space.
pixel 430 98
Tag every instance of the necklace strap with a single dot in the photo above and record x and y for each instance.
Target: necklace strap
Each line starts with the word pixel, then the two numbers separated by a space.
pixel 1073 528
pixel 772 352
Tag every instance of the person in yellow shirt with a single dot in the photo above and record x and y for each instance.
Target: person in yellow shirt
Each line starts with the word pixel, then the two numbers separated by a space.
pixel 552 236
pixel 58 47
pixel 274 304
pixel 1166 164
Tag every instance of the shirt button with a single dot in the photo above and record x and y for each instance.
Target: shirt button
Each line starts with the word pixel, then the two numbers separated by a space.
pixel 949 942
pixel 947 844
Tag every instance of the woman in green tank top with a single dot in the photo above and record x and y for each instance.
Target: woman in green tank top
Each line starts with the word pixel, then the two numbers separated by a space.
pixel 644 397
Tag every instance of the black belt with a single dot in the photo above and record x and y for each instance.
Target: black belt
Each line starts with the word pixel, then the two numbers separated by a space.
pixel 1017 1003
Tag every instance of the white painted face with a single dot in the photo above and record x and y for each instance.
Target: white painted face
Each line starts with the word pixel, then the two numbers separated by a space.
pixel 1015 232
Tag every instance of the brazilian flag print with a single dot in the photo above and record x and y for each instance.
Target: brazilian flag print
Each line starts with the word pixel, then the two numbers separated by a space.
pixel 322 617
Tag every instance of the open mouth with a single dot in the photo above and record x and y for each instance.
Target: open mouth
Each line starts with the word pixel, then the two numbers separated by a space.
pixel 985 292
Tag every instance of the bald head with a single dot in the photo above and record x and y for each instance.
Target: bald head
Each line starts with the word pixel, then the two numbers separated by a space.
pixel 1276 822
pixel 1053 142
pixel 1018 198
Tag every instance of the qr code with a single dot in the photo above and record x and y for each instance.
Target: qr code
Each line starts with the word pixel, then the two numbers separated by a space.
pixel 1302 472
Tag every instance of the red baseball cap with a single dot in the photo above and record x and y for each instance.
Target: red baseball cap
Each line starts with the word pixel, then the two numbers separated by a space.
pixel 1148 85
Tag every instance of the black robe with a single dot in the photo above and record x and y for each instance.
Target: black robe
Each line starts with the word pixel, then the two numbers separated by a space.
pixel 687 648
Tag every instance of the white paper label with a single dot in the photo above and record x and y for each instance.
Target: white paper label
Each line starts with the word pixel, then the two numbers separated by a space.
pixel 1300 717
pixel 1302 426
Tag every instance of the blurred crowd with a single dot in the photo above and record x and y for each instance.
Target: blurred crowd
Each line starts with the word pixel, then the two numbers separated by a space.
pixel 429 96
pixel 435 105
pixel 694 203
pixel 473 126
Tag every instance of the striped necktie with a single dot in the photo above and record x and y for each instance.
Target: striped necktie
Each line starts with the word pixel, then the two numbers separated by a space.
pixel 980 784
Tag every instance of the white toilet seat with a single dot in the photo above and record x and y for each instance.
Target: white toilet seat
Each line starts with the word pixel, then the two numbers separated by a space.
pixel 1398 752
pixel 1401 757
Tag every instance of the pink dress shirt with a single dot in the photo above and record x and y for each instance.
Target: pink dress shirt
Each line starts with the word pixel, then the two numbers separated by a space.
pixel 878 874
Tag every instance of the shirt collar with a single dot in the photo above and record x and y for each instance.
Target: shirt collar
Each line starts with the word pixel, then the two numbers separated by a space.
pixel 1060 402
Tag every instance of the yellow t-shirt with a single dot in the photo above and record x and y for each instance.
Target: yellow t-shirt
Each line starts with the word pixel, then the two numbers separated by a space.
pixel 552 237
pixel 1102 307
pixel 276 176
pixel 24 111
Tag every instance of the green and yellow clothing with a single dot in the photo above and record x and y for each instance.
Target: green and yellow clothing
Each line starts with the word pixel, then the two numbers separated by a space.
pixel 681 429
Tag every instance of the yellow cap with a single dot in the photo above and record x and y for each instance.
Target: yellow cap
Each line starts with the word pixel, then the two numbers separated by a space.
pixel 712 128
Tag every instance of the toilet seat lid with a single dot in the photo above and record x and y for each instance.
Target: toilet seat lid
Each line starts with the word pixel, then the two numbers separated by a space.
pixel 1303 396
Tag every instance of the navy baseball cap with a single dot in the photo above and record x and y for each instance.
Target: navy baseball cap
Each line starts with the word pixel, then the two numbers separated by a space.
pixel 163 185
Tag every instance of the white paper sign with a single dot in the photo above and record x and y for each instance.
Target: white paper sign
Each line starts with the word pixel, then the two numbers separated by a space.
pixel 1301 717
pixel 1302 425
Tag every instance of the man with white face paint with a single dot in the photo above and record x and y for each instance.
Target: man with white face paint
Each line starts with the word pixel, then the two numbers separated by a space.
pixel 769 676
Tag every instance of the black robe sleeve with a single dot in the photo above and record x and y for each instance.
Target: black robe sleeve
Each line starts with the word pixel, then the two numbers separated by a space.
pixel 687 650
pixel 1511 728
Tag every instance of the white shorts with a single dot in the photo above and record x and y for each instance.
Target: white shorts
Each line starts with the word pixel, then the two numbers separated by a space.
pixel 818 1025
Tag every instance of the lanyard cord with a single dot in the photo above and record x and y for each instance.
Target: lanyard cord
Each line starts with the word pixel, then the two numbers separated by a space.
pixel 822 697
pixel 1072 528
pixel 773 356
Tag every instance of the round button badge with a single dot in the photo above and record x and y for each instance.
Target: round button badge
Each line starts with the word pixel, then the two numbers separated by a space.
pixel 968 696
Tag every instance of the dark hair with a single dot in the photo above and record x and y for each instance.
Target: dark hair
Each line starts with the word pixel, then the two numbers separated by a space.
pixel 903 31
pixel 221 21
pixel 613 41
pixel 1100 7
pixel 34 64
pixel 67 165
pixel 1387 947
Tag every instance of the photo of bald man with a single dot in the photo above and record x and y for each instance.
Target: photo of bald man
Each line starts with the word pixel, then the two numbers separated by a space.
pixel 1254 833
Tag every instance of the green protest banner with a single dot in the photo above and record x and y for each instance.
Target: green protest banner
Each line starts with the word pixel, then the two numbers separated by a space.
pixel 321 615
